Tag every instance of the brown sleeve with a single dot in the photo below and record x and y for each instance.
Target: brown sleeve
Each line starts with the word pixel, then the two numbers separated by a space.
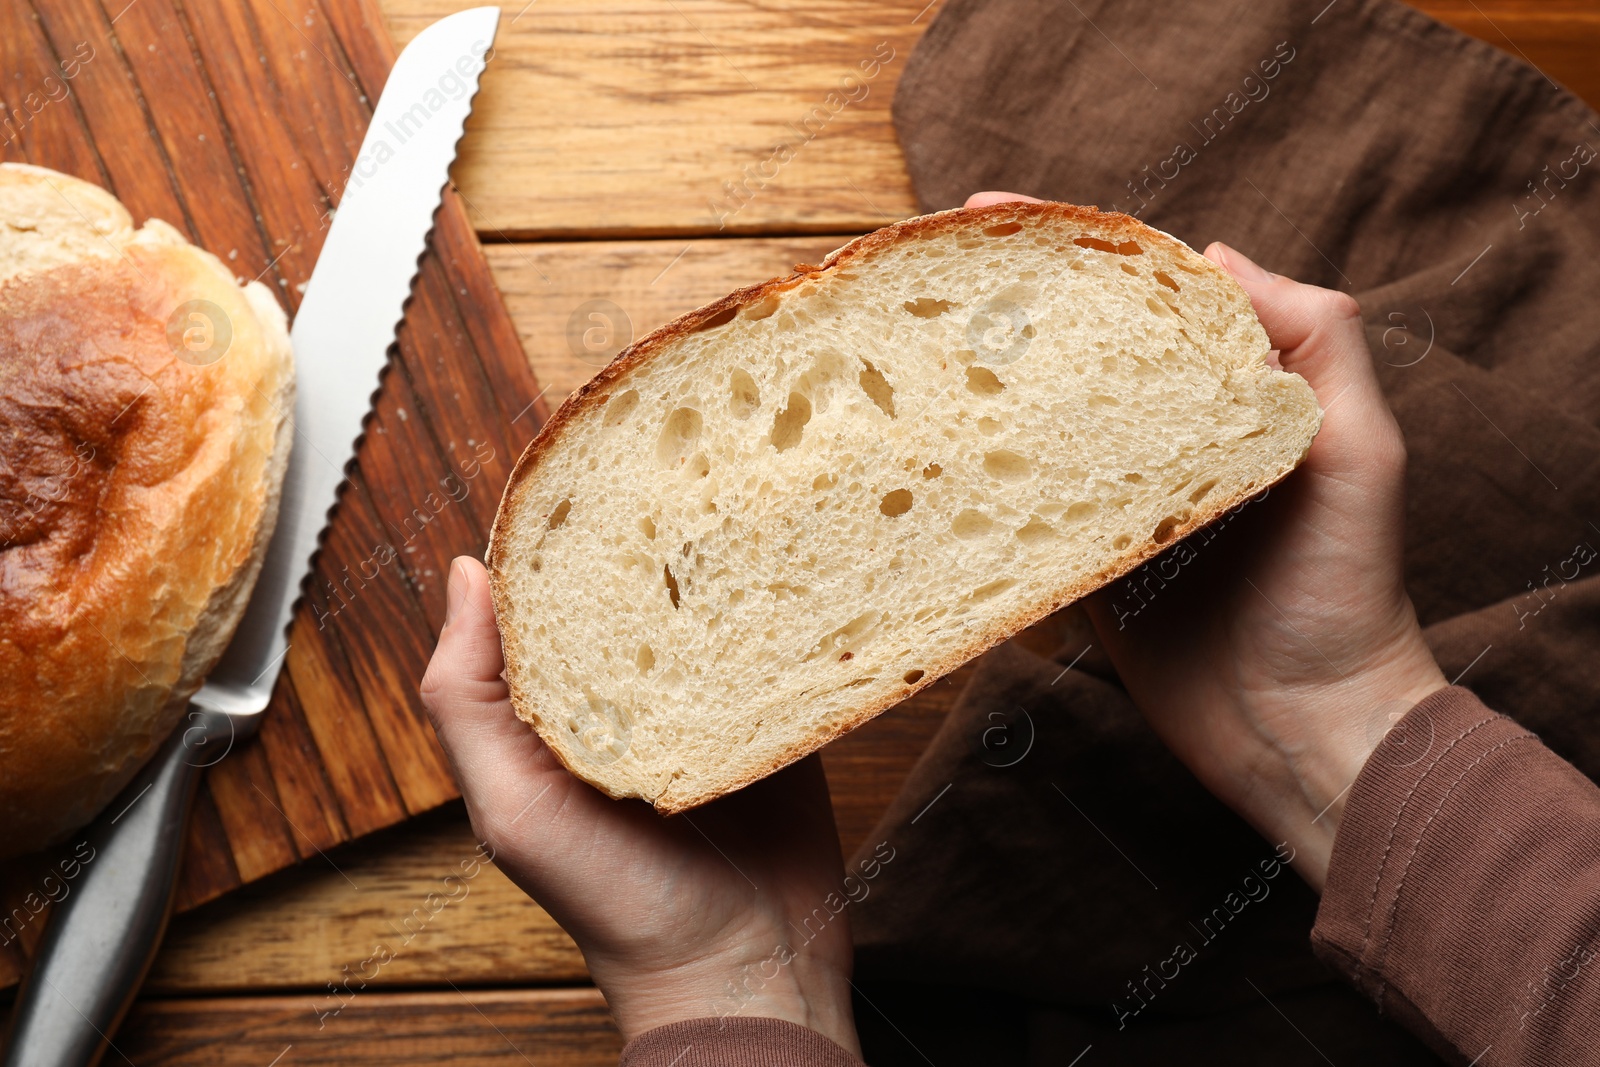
pixel 1463 893
pixel 734 1042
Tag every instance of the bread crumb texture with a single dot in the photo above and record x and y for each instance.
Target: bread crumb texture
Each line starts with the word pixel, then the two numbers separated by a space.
pixel 777 516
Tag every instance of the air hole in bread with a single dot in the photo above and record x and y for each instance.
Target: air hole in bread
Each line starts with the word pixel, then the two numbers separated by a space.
pixel 1126 248
pixel 1160 307
pixel 1129 268
pixel 853 633
pixel 843 656
pixel 1036 531
pixel 983 381
pixel 559 515
pixel 824 481
pixel 926 308
pixel 790 423
pixel 913 677
pixel 1166 279
pixel 877 388
pixel 1133 476
pixel 1200 493
pixel 896 503
pixel 698 466
pixel 647 526
pixel 932 470
pixel 762 308
pixel 971 523
pixel 1122 542
pixel 988 427
pixel 990 590
pixel 679 435
pixel 621 407
pixel 1007 466
pixel 645 659
pixel 1254 433
pixel 1002 229
pixel 721 318
pixel 672 584
pixel 1166 527
pixel 744 398
pixel 1079 511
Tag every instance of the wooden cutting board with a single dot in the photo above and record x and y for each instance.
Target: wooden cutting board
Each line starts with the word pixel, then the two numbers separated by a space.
pixel 237 121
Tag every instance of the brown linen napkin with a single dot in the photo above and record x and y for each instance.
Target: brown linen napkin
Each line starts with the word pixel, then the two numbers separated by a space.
pixel 1449 187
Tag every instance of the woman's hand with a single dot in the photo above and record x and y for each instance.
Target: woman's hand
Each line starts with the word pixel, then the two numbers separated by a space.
pixel 1281 653
pixel 721 911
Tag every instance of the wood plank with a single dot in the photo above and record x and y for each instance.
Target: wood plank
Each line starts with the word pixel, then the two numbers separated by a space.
pixel 600 118
pixel 301 928
pixel 37 112
pixel 114 114
pixel 1559 37
pixel 553 1028
pixel 152 41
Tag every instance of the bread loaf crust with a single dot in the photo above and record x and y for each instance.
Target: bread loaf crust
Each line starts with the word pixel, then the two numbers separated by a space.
pixel 615 377
pixel 140 490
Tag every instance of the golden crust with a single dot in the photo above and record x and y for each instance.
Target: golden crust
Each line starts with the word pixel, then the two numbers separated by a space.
pixel 139 490
pixel 598 390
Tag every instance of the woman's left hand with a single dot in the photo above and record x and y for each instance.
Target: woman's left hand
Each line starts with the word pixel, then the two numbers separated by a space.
pixel 720 911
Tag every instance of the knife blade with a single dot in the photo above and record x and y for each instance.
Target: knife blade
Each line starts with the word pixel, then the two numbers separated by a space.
pixel 347 321
pixel 102 938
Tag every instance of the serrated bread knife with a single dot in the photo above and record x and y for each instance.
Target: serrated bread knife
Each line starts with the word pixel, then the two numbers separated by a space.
pixel 103 936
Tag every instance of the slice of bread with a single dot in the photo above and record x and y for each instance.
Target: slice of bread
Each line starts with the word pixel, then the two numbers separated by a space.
pixel 779 515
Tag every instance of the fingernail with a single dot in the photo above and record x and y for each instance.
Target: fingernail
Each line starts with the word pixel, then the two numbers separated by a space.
pixel 1243 266
pixel 456 594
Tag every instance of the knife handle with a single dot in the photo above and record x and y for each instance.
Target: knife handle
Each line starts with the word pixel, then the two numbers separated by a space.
pixel 103 935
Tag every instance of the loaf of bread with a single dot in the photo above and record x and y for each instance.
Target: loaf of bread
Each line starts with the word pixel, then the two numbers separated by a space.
pixel 146 400
pixel 779 515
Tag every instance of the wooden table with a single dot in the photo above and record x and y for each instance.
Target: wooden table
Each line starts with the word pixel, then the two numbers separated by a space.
pixel 594 169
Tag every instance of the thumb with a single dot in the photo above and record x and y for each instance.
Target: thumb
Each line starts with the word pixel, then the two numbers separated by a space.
pixel 467 699
pixel 1318 332
pixel 1320 336
pixel 1292 312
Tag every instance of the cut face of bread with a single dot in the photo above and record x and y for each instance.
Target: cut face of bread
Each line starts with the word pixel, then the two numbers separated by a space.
pixel 770 520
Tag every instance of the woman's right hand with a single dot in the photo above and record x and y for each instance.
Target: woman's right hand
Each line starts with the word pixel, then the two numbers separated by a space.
pixel 1273 665
pixel 1276 668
